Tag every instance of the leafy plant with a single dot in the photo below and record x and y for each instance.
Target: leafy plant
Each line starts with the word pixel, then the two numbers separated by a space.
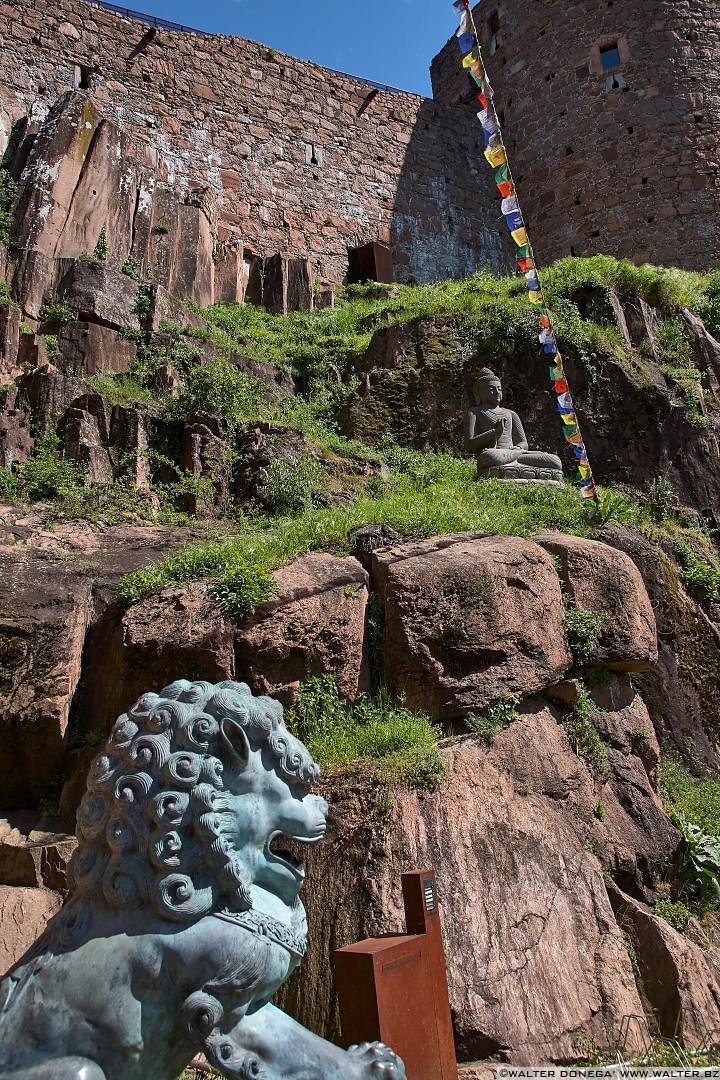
pixel 699 865
pixel 583 630
pixel 584 736
pixel 44 476
pixel 289 486
pixel 132 268
pixel 695 799
pixel 101 248
pixel 58 314
pixel 372 729
pixel 700 575
pixel 8 191
pixel 488 724
pixel 674 912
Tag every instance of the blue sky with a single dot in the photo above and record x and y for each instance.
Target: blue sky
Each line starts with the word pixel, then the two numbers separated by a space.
pixel 390 41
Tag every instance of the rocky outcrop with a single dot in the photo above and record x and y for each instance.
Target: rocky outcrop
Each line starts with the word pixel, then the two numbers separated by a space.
pixel 315 624
pixel 682 690
pixel 416 383
pixel 540 853
pixel 537 961
pixel 24 913
pixel 606 582
pixel 42 632
pixel 470 623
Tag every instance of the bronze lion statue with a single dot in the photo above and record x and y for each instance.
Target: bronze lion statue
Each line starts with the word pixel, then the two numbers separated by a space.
pixel 184 916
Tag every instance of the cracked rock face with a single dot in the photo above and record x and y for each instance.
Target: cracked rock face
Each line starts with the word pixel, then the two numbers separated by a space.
pixel 536 958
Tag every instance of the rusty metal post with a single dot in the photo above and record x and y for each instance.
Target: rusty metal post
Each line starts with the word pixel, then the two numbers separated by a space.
pixel 394 988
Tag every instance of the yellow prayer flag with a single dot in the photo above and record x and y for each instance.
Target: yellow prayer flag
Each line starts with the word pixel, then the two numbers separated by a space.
pixel 535 297
pixel 569 418
pixel 585 471
pixel 520 237
pixel 495 156
pixel 470 59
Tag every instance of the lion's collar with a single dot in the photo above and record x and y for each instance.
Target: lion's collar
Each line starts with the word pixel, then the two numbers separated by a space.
pixel 294 941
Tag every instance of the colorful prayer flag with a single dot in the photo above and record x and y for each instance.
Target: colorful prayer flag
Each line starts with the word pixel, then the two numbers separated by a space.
pixel 520 237
pixel 496 156
pixel 466 42
pixel 514 220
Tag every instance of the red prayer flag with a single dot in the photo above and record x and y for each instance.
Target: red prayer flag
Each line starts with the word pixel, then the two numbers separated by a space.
pixel 561 387
pixel 506 188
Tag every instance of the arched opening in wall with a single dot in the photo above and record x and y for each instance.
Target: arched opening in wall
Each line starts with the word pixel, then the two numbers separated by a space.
pixel 371 262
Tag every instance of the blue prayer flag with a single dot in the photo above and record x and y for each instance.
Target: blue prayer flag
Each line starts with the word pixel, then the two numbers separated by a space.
pixel 466 42
pixel 514 221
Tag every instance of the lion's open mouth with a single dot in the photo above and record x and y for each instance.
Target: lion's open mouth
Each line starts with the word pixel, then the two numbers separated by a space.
pixel 287 850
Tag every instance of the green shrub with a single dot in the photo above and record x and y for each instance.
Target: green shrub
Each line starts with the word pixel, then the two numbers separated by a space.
pixel 675 913
pixel 583 629
pixel 701 576
pixel 673 342
pixel 132 268
pixel 8 191
pixel 686 381
pixel 101 248
pixel 119 388
pixel 488 724
pixel 584 737
pixel 218 388
pixel 45 476
pixel 289 486
pixel 57 314
pixel 371 729
pixel 696 800
pixel 699 864
pixel 239 593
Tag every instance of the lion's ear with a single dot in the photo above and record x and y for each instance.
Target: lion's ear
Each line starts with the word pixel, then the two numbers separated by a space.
pixel 238 747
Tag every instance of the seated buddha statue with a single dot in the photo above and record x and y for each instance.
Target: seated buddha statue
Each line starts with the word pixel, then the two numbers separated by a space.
pixel 497 438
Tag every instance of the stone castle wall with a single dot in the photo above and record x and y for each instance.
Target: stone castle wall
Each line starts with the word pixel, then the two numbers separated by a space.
pixel 302 161
pixel 626 160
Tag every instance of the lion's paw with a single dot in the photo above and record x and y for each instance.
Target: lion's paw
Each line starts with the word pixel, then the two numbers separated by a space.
pixel 380 1061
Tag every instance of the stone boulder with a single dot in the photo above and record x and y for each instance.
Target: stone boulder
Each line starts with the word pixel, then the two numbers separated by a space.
pixel 679 983
pixel 42 631
pixel 470 623
pixel 100 294
pixel 10 319
pixel 600 579
pixel 24 914
pixel 34 853
pixel 314 624
pixel 682 690
pixel 80 434
pixel 88 348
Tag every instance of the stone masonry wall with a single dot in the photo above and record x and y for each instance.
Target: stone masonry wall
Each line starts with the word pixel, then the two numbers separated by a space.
pixel 303 162
pixel 624 161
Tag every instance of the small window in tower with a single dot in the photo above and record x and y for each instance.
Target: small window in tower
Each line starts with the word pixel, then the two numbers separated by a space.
pixel 610 56
pixel 313 154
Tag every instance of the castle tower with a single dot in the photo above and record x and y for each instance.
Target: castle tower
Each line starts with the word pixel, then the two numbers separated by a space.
pixel 611 112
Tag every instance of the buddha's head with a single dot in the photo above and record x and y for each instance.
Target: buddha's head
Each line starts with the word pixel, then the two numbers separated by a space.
pixel 488 388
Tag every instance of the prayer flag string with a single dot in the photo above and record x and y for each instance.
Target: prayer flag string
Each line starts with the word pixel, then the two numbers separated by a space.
pixel 496 156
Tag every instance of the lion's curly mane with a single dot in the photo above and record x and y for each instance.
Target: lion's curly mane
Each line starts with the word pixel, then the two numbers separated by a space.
pixel 151 828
